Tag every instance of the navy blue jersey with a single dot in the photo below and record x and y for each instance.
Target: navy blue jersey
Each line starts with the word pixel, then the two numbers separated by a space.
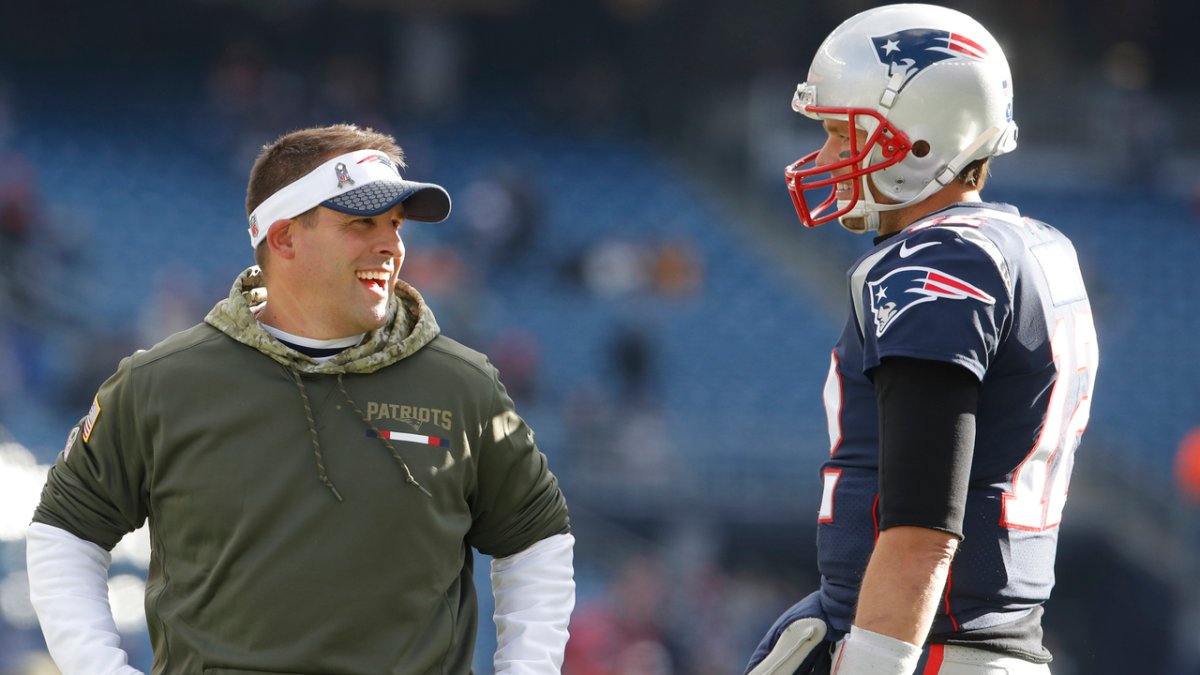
pixel 979 286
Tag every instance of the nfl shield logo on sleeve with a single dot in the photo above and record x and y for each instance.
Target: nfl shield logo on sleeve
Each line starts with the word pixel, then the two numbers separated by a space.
pixel 70 441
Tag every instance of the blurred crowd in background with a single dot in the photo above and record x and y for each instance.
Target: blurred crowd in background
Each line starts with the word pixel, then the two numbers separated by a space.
pixel 622 247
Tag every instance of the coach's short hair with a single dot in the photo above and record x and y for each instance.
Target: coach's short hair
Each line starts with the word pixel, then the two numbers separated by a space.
pixel 295 154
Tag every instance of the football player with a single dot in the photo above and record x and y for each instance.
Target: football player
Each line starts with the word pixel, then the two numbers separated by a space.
pixel 960 387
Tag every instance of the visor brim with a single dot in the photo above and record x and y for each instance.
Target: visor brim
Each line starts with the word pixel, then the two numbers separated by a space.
pixel 423 202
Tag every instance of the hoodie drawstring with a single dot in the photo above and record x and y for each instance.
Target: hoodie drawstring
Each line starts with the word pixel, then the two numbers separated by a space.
pixel 379 434
pixel 312 430
pixel 316 441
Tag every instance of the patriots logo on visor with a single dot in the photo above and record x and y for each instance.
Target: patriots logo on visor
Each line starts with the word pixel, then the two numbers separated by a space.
pixel 907 287
pixel 913 50
pixel 382 159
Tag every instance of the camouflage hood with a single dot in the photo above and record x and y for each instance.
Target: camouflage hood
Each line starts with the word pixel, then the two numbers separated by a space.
pixel 410 326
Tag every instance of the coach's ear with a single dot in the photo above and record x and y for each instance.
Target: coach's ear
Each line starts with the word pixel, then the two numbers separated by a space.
pixel 279 238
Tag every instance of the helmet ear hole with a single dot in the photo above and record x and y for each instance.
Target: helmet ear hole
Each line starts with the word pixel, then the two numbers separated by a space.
pixel 920 148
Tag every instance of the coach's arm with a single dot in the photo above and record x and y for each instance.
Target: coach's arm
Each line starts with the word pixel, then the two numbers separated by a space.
pixel 68 585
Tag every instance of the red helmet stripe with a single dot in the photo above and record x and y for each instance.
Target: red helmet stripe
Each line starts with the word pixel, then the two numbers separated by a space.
pixel 966 46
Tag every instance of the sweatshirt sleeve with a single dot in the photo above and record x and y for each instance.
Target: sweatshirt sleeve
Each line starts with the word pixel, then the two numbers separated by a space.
pixel 97 488
pixel 517 501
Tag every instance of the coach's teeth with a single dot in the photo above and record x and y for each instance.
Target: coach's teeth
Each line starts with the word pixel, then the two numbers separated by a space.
pixel 376 275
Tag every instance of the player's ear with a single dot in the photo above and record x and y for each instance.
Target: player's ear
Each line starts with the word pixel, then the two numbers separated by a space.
pixel 280 239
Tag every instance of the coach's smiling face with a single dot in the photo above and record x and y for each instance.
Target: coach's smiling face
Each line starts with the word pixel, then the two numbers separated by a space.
pixel 332 273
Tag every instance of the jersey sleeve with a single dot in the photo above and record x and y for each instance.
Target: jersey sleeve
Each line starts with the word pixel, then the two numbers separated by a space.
pixel 939 294
pixel 517 501
pixel 97 488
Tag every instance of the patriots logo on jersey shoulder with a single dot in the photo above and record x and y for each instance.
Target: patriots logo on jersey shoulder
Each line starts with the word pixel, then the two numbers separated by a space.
pixel 906 287
pixel 913 50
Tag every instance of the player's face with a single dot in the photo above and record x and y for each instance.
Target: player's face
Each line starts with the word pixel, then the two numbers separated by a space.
pixel 838 147
pixel 346 268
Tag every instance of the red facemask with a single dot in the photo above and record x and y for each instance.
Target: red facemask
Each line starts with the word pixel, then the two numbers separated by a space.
pixel 894 147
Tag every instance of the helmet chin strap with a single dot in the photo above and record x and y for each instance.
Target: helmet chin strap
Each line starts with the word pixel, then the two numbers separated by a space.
pixel 867 210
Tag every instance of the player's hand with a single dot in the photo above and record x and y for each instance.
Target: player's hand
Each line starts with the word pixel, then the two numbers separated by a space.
pixel 795 644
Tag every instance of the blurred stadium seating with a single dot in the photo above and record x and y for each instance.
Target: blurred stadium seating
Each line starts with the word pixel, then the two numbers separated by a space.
pixel 705 463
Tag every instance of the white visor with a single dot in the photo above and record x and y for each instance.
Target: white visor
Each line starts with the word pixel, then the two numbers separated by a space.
pixel 362 183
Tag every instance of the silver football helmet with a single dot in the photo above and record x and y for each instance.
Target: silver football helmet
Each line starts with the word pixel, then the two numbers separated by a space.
pixel 902 74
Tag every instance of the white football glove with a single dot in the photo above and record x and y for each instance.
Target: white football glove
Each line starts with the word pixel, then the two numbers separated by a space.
pixel 796 644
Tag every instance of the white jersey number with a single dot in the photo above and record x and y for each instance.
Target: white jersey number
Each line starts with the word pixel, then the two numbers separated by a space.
pixel 833 422
pixel 1039 485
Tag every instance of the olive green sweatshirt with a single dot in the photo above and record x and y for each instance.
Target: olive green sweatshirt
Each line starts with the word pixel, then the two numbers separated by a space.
pixel 307 517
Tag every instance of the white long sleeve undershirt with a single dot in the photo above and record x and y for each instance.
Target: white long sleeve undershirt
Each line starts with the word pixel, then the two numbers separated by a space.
pixel 68 584
pixel 535 594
